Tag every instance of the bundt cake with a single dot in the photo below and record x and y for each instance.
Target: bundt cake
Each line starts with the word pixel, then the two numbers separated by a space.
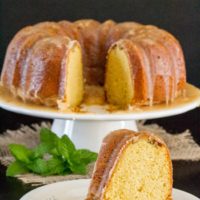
pixel 53 63
pixel 132 166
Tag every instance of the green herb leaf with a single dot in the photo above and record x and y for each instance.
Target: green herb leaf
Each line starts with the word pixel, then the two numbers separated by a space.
pixel 79 169
pixel 84 156
pixel 38 166
pixel 80 159
pixel 55 166
pixel 48 137
pixel 54 152
pixel 40 150
pixel 48 141
pixel 53 155
pixel 66 140
pixel 16 168
pixel 21 153
pixel 63 150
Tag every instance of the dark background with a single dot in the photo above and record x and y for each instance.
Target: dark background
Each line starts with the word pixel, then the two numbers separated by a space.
pixel 180 17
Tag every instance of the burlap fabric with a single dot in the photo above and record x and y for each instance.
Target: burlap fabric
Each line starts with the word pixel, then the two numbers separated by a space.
pixel 181 145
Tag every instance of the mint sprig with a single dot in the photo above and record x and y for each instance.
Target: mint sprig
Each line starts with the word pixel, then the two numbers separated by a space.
pixel 53 156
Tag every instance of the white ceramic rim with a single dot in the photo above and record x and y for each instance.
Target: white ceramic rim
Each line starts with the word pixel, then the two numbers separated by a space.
pixel 107 116
pixel 85 182
pixel 98 112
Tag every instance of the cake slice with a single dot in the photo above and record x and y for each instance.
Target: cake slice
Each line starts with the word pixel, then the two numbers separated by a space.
pixel 132 166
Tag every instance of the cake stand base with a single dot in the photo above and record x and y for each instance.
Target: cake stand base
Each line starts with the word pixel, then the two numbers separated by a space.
pixel 88 134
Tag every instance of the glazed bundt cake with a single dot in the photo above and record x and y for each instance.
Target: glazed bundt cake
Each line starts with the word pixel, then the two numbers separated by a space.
pixel 55 63
pixel 132 166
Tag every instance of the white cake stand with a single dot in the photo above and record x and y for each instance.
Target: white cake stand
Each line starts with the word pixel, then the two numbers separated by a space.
pixel 88 127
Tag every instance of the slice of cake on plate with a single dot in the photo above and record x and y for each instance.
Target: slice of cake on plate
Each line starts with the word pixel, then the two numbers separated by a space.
pixel 132 166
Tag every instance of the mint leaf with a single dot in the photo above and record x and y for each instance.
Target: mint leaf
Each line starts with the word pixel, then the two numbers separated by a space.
pixel 67 168
pixel 55 166
pixel 53 155
pixel 63 150
pixel 48 137
pixel 80 159
pixel 40 150
pixel 48 141
pixel 16 168
pixel 65 147
pixel 79 169
pixel 66 140
pixel 38 166
pixel 84 156
pixel 20 152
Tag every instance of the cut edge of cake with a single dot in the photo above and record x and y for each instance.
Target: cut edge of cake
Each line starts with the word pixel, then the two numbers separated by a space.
pixel 119 84
pixel 72 91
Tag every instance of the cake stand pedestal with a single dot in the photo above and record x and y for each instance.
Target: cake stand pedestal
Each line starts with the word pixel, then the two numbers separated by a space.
pixel 89 134
pixel 88 128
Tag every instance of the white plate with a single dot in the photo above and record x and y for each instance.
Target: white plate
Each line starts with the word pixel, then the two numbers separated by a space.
pixel 77 190
pixel 181 105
